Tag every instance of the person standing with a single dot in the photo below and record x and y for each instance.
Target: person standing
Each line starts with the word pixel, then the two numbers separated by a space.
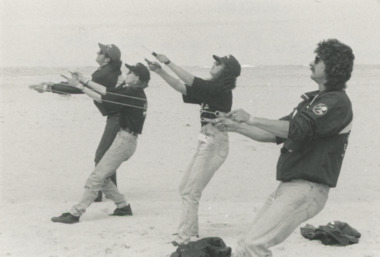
pixel 108 75
pixel 131 103
pixel 215 98
pixel 314 137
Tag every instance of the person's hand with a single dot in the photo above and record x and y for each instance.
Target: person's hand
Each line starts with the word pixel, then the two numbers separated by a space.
pixel 79 76
pixel 239 115
pixel 153 66
pixel 223 123
pixel 42 87
pixel 163 59
pixel 73 81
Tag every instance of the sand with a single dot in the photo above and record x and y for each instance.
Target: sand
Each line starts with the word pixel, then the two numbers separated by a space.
pixel 48 144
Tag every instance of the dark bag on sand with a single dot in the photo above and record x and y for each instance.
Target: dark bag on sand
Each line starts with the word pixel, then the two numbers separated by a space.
pixel 334 233
pixel 205 247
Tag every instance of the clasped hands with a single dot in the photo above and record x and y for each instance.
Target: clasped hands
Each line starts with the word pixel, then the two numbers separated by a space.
pixel 231 121
pixel 76 80
pixel 155 66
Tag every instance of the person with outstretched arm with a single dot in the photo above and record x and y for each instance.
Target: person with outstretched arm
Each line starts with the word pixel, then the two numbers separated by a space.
pixel 130 102
pixel 215 99
pixel 108 75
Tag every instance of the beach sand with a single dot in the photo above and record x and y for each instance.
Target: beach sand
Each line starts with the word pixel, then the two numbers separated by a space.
pixel 48 144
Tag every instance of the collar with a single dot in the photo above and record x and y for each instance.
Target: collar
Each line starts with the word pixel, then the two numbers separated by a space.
pixel 103 66
pixel 312 94
pixel 308 96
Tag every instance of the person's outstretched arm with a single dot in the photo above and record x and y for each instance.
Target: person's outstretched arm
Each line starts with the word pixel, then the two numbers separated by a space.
pixel 257 134
pixel 89 91
pixel 58 88
pixel 176 84
pixel 279 128
pixel 184 75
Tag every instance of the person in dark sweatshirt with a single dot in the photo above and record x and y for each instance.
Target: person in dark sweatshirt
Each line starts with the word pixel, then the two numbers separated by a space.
pixel 108 75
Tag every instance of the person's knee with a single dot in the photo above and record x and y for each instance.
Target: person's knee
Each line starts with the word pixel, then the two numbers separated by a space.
pixel 95 182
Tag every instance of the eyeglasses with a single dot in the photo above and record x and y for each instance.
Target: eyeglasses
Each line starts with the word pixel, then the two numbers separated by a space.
pixel 317 59
pixel 101 53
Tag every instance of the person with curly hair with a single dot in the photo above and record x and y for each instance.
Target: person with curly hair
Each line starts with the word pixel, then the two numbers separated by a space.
pixel 314 137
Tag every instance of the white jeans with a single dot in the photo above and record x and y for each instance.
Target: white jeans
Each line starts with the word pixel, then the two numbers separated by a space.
pixel 291 204
pixel 122 148
pixel 210 155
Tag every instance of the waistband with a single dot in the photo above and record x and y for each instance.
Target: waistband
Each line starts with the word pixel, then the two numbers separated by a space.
pixel 128 130
pixel 315 184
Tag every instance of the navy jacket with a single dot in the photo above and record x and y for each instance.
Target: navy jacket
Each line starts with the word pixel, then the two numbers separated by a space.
pixel 318 137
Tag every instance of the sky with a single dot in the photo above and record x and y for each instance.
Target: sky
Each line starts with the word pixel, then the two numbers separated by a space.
pixel 257 32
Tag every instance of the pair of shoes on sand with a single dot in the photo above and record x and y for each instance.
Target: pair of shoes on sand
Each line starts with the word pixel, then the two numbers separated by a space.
pixel 68 218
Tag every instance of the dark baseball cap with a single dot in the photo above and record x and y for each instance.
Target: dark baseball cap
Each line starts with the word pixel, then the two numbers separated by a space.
pixel 140 70
pixel 230 63
pixel 111 50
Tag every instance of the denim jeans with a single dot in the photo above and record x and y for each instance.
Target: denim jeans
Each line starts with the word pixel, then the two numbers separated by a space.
pixel 291 204
pixel 122 148
pixel 211 152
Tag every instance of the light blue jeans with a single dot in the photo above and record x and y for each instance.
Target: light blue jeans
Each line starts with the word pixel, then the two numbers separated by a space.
pixel 291 204
pixel 211 152
pixel 122 148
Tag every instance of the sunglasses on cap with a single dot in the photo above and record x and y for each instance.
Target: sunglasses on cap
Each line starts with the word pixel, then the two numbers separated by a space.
pixel 101 53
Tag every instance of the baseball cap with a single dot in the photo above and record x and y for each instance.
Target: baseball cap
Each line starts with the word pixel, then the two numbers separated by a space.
pixel 230 63
pixel 140 70
pixel 112 51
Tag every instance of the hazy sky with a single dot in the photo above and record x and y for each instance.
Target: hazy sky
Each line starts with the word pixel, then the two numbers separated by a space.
pixel 257 32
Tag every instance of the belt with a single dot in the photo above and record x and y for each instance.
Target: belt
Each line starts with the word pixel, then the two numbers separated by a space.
pixel 130 131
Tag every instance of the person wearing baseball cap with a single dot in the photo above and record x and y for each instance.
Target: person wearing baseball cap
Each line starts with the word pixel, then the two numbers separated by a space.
pixel 108 75
pixel 130 102
pixel 111 51
pixel 230 64
pixel 215 99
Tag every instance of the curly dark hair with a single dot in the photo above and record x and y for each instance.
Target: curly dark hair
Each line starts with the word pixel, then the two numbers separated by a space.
pixel 339 61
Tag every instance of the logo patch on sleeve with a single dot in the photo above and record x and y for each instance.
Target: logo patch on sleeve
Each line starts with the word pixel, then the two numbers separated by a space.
pixel 320 109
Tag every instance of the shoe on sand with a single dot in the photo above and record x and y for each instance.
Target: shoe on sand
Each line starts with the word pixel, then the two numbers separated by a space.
pixel 66 218
pixel 124 211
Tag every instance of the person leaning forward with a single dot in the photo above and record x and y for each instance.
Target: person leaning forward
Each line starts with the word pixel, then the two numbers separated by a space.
pixel 108 75
pixel 314 137
pixel 131 103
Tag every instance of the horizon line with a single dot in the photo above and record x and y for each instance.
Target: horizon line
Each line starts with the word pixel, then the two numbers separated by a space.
pixel 183 65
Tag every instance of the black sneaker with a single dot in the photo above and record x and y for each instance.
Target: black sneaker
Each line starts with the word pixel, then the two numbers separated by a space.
pixel 67 218
pixel 99 198
pixel 124 211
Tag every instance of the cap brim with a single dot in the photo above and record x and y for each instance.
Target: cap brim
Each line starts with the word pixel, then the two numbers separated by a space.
pixel 130 67
pixel 101 46
pixel 217 58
